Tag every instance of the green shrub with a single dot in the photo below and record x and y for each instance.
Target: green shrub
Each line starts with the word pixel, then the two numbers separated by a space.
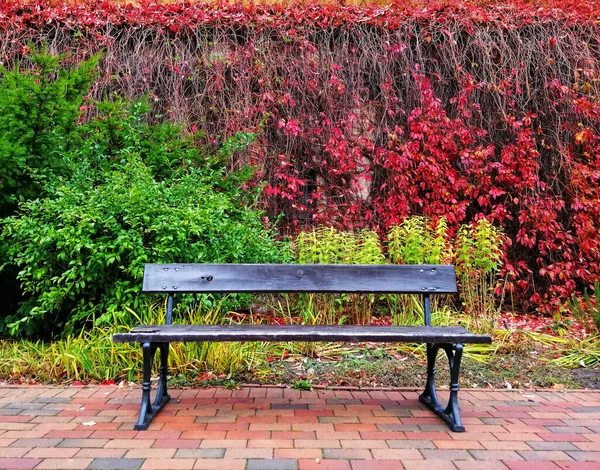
pixel 40 101
pixel 148 197
pixel 40 105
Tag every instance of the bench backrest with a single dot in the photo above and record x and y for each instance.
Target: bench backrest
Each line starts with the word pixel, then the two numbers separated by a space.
pixel 425 279
pixel 227 278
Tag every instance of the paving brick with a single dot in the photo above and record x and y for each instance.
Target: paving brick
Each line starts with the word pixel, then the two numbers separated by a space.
pixel 438 436
pixel 275 464
pixel 411 444
pixel 294 435
pixel 476 465
pixel 355 427
pixel 18 463
pixel 15 452
pixel 83 443
pixel 316 443
pixel 519 436
pixel 578 465
pixel 199 453
pixel 589 446
pixel 176 443
pixel 223 443
pixel 376 465
pixel 51 452
pixel 228 431
pixel 548 455
pixel 115 464
pixel 39 442
pixel 563 437
pixel 103 434
pixel 130 443
pixel 220 464
pixel 93 452
pixel 354 435
pixel 271 443
pixel 582 456
pixel 289 406
pixel 68 434
pixel 506 445
pixel 313 464
pixel 351 454
pixel 298 453
pixel 396 454
pixel 245 453
pixel 64 464
pixel 428 465
pixel 446 454
pixel 458 444
pixel 505 455
pixel 532 465
pixel 555 446
pixel 168 464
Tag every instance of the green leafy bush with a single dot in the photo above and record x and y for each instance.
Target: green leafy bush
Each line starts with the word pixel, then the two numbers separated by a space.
pixel 40 103
pixel 146 196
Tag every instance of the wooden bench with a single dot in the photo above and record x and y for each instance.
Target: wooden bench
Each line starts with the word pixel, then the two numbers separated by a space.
pixel 426 280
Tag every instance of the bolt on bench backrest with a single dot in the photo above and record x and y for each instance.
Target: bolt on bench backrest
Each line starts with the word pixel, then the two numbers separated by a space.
pixel 422 279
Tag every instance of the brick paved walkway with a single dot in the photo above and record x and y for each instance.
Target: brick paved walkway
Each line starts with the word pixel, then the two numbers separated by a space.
pixel 274 428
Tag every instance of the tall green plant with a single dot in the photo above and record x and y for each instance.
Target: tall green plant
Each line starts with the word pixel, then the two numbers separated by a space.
pixel 587 308
pixel 417 241
pixel 478 264
pixel 328 245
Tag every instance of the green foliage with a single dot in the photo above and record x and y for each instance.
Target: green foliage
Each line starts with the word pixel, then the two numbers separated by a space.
pixel 146 196
pixel 478 262
pixel 40 101
pixel 40 105
pixel 328 245
pixel 587 308
pixel 302 385
pixel 91 354
pixel 416 241
pixel 476 251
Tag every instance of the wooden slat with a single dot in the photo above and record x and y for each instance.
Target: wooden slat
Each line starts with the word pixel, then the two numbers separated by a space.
pixel 227 278
pixel 352 334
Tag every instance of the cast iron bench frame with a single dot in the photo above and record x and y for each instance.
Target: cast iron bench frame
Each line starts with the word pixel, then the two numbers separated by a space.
pixel 427 280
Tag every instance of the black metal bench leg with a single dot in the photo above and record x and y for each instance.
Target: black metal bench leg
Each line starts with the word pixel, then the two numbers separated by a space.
pixel 162 397
pixel 148 410
pixel 450 414
pixel 429 396
pixel 454 358
pixel 145 408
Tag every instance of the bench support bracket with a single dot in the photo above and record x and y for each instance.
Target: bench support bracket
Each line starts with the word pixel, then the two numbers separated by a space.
pixel 449 413
pixel 149 410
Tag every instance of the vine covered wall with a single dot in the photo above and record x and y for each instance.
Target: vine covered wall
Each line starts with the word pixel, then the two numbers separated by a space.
pixel 367 115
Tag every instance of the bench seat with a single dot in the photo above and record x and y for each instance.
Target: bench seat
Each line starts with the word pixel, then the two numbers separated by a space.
pixel 308 333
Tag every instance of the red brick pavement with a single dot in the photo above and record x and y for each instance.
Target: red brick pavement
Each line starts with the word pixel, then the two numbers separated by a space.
pixel 262 428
